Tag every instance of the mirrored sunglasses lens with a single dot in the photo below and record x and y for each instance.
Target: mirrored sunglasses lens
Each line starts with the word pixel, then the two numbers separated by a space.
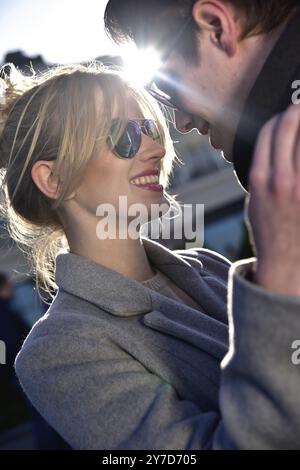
pixel 152 129
pixel 129 142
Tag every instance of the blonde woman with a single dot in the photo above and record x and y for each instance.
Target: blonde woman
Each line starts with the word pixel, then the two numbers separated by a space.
pixel 128 354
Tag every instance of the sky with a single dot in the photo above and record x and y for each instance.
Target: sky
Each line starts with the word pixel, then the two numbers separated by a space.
pixel 61 31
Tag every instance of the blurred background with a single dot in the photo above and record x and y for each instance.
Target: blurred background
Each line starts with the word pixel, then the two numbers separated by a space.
pixel 42 34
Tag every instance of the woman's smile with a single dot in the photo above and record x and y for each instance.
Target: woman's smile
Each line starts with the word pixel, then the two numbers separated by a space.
pixel 148 180
pixel 150 186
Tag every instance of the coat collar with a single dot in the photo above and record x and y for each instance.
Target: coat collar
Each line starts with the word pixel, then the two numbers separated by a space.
pixel 270 95
pixel 114 292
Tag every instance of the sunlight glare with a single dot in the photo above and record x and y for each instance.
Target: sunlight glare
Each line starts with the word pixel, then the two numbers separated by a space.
pixel 140 65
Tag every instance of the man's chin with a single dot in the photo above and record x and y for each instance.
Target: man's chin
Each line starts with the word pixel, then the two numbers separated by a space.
pixel 227 157
pixel 225 152
pixel 214 143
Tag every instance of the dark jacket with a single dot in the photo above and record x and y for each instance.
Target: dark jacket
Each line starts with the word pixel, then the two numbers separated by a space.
pixel 271 94
pixel 12 332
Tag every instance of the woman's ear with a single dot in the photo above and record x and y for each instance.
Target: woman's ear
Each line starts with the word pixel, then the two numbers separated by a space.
pixel 218 18
pixel 44 178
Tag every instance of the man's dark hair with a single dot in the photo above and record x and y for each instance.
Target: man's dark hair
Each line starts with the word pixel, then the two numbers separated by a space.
pixel 154 21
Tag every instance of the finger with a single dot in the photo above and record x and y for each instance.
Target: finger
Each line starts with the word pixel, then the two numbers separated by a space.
pixel 297 147
pixel 260 170
pixel 283 147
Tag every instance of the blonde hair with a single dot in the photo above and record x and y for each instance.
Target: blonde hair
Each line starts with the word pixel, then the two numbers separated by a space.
pixel 52 116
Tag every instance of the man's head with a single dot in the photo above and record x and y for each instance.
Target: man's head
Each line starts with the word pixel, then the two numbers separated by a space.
pixel 211 68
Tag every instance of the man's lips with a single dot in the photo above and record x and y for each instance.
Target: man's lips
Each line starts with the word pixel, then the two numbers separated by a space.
pixel 201 125
pixel 205 129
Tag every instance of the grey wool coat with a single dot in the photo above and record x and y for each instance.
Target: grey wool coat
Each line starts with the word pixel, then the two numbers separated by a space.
pixel 114 365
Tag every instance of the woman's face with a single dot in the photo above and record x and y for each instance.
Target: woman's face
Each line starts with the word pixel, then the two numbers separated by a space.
pixel 107 177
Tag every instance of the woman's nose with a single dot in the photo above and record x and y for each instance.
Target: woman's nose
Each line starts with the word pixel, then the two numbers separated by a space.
pixel 152 149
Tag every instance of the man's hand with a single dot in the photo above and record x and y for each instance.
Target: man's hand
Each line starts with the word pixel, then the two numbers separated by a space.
pixel 274 204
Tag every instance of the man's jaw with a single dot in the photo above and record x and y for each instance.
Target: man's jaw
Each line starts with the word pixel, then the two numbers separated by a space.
pixel 216 139
pixel 185 122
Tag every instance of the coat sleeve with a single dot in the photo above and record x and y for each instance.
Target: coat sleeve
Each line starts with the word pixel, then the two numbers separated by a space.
pixel 260 391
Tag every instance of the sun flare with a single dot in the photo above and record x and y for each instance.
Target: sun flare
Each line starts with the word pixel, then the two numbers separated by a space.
pixel 140 65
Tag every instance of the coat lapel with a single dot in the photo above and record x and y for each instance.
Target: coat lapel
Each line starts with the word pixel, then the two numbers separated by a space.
pixel 191 326
pixel 187 272
pixel 206 329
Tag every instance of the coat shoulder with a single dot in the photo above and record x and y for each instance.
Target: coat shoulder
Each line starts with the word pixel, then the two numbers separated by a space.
pixel 208 261
pixel 64 322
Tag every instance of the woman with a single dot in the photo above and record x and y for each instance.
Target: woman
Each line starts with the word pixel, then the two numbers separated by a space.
pixel 128 354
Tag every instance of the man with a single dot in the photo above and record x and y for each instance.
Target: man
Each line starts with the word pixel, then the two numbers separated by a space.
pixel 219 56
pixel 229 66
pixel 232 70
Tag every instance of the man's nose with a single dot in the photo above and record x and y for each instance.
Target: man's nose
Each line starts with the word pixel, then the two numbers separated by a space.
pixel 184 121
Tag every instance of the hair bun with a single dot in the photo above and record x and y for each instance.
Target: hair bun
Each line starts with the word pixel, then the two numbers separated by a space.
pixel 12 85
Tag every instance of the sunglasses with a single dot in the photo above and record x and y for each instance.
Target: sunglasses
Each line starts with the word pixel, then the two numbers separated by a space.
pixel 161 96
pixel 128 143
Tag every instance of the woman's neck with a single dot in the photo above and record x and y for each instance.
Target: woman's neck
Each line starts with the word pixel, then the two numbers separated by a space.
pixel 126 256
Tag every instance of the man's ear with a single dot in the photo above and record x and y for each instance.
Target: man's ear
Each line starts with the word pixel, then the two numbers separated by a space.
pixel 218 18
pixel 44 178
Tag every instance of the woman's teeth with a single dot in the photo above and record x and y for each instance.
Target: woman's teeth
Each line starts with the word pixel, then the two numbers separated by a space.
pixel 153 179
